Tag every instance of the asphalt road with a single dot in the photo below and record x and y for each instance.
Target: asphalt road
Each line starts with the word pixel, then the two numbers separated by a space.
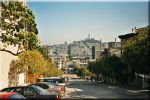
pixel 80 89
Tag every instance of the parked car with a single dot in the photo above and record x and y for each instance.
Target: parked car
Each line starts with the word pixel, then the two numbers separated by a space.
pixel 58 81
pixel 11 95
pixel 31 92
pixel 52 88
pixel 65 79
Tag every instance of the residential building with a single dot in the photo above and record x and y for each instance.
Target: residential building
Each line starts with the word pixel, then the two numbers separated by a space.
pixel 124 39
pixel 107 48
pixel 115 51
pixel 6 58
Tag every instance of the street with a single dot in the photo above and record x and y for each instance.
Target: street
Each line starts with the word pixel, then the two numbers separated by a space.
pixel 80 89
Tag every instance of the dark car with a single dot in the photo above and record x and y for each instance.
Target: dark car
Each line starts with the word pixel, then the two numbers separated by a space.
pixel 31 92
pixel 52 88
pixel 11 95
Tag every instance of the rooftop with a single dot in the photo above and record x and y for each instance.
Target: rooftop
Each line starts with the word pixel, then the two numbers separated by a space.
pixel 127 35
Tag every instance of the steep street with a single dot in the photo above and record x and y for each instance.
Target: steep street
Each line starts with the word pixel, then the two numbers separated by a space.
pixel 79 89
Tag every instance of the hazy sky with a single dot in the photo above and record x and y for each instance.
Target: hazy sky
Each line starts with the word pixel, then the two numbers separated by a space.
pixel 58 22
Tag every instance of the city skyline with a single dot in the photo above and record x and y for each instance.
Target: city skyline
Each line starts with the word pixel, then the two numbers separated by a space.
pixel 58 22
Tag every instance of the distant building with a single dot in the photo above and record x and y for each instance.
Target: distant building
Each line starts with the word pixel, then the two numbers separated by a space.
pixel 108 48
pixel 114 44
pixel 58 54
pixel 115 51
pixel 81 61
pixel 93 52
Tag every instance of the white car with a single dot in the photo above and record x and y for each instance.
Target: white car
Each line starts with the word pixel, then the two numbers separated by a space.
pixel 58 81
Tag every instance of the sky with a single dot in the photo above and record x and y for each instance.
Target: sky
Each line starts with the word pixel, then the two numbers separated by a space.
pixel 62 21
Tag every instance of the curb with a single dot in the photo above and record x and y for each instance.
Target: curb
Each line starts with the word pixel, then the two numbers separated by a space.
pixel 134 92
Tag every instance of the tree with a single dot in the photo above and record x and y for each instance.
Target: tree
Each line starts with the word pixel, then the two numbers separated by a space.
pixel 52 70
pixel 136 53
pixel 82 72
pixel 43 51
pixel 109 68
pixel 18 26
pixel 113 68
pixel 33 60
pixel 28 62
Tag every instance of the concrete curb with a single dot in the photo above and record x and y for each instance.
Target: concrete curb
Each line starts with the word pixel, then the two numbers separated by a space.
pixel 134 92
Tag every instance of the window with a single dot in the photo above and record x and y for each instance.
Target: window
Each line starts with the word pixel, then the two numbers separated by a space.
pixel 40 90
pixel 28 92
pixel 17 96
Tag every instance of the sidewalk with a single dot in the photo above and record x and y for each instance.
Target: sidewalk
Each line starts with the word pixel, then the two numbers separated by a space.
pixel 130 90
pixel 134 90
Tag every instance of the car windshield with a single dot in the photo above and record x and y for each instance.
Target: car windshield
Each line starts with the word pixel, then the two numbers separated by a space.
pixel 8 90
pixel 48 80
pixel 17 96
pixel 40 90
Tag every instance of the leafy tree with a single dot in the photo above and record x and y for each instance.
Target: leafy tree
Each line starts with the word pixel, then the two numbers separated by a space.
pixel 113 68
pixel 109 67
pixel 33 61
pixel 136 52
pixel 52 70
pixel 18 26
pixel 43 51
pixel 28 62
pixel 83 72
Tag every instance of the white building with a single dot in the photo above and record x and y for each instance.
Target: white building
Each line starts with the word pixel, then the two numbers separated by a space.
pixel 6 58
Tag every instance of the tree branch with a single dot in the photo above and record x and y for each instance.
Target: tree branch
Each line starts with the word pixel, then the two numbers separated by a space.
pixel 15 54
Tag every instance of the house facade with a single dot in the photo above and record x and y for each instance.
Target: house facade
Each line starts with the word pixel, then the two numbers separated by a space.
pixel 6 58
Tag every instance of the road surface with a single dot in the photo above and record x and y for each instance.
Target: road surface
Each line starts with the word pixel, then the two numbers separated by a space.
pixel 80 89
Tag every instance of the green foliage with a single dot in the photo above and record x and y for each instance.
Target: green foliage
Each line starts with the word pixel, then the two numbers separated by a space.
pixel 43 51
pixel 113 66
pixel 33 60
pixel 52 70
pixel 82 72
pixel 110 66
pixel 18 25
pixel 136 52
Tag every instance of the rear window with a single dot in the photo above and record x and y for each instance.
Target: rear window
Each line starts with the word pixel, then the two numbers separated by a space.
pixel 54 80
pixel 48 80
pixel 41 91
pixel 44 86
pixel 58 81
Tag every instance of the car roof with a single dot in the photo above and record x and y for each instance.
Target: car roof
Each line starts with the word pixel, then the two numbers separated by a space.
pixel 47 83
pixel 17 87
pixel 7 94
pixel 42 83
pixel 50 78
